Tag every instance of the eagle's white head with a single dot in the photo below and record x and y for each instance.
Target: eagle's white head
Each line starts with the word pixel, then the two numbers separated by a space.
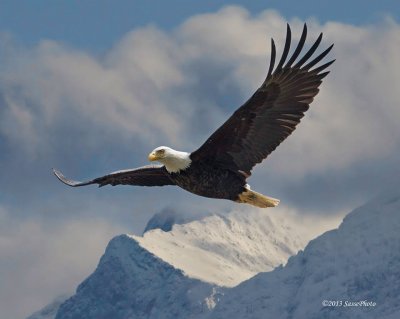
pixel 174 161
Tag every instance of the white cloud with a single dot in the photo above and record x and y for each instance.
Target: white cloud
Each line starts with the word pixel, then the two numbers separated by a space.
pixel 353 118
pixel 146 87
pixel 175 88
pixel 40 261
pixel 123 94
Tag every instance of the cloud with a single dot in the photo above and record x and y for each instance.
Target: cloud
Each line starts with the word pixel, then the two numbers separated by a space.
pixel 40 261
pixel 352 119
pixel 146 86
pixel 60 88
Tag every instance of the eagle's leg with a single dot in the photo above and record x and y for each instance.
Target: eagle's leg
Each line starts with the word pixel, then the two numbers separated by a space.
pixel 256 199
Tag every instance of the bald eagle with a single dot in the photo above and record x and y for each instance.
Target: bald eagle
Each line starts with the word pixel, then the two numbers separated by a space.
pixel 220 167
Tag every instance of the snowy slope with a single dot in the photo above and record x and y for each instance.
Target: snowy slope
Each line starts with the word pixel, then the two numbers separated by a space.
pixel 130 282
pixel 227 249
pixel 360 261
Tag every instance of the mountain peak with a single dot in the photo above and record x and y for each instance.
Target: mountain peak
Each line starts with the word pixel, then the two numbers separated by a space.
pixel 130 281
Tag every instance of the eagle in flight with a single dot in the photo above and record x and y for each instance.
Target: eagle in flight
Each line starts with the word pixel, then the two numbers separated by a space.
pixel 220 167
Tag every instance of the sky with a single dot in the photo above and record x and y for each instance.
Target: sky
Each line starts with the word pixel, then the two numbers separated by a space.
pixel 92 87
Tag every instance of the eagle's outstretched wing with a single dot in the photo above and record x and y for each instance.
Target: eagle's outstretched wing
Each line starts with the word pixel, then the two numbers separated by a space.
pixel 150 175
pixel 271 114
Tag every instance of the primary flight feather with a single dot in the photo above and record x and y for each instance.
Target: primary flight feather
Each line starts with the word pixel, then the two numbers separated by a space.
pixel 220 167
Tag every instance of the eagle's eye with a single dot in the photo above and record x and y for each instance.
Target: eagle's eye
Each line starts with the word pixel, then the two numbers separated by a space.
pixel 160 152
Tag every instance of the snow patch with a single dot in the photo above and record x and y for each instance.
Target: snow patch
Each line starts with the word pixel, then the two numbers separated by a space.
pixel 227 249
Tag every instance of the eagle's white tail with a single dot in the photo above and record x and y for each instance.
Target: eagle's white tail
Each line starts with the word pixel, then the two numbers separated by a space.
pixel 257 199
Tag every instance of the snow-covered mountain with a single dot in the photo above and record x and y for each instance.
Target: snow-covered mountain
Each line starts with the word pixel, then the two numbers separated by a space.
pixel 355 267
pixel 358 263
pixel 179 274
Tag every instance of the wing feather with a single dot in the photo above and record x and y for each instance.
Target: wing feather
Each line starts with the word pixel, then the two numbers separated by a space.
pixel 150 175
pixel 299 47
pixel 285 49
pixel 272 61
pixel 272 113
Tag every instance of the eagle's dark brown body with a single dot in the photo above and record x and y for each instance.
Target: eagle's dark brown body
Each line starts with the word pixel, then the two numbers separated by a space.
pixel 208 180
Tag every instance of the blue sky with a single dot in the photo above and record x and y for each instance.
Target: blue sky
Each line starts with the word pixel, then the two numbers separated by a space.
pixel 91 87
pixel 96 25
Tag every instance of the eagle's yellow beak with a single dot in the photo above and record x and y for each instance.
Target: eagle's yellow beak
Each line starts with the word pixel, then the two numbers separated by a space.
pixel 152 157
